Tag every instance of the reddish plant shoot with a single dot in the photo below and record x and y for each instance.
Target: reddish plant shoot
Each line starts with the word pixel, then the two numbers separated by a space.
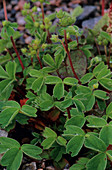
pixel 103 7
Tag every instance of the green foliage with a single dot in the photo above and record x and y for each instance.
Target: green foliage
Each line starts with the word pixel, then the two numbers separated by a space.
pixel 62 91
pixel 14 153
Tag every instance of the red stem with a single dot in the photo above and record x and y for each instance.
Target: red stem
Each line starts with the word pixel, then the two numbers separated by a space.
pixel 10 53
pixel 48 37
pixel 5 10
pixel 67 51
pixel 33 19
pixel 14 46
pixel 103 7
pixel 39 59
pixel 68 111
pixel 58 73
pixel 77 42
pixel 32 61
pixel 13 43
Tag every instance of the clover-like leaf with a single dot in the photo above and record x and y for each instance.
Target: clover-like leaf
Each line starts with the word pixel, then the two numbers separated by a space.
pixel 12 159
pixel 75 145
pixel 95 143
pixel 98 162
pixel 32 151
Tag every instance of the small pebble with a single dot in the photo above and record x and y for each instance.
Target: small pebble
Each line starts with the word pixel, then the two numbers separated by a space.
pixel 9 7
pixel 21 21
pixel 28 40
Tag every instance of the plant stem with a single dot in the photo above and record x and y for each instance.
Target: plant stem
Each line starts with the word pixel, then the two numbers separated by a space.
pixel 13 43
pixel 103 7
pixel 97 46
pixel 33 19
pixel 5 10
pixel 106 55
pixel 67 51
pixel 39 59
pixel 48 37
pixel 68 111
pixel 77 41
pixel 10 53
pixel 58 73
pixel 14 46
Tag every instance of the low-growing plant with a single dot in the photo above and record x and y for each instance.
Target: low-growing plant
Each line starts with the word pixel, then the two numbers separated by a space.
pixel 60 84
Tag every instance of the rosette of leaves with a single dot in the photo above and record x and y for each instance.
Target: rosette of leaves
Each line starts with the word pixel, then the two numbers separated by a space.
pixel 45 101
pixel 101 75
pixel 13 152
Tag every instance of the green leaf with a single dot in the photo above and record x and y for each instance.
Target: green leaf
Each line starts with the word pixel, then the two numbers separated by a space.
pixel 95 122
pixel 100 94
pixel 86 78
pixel 70 81
pixel 77 11
pixel 79 105
pixel 7 115
pixel 106 83
pixel 109 110
pixel 14 25
pixel 49 60
pixel 35 73
pixel 4 59
pixel 106 134
pixel 3 73
pixel 87 53
pixel 80 165
pixel 61 141
pixel 9 142
pixel 58 60
pixel 22 119
pixel 46 105
pixel 98 162
pixel 4 84
pixel 58 91
pixel 75 145
pixel 95 143
pixel 72 130
pixel 11 69
pixel 49 133
pixel 11 103
pixel 47 143
pixel 3 148
pixel 101 104
pixel 98 68
pixel 52 80
pixel 87 99
pixel 12 159
pixel 104 73
pixel 37 84
pixel 105 35
pixel 29 111
pixel 76 121
pixel 66 103
pixel 10 31
pixel 57 153
pixel 32 151
pixel 83 90
pixel 109 154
